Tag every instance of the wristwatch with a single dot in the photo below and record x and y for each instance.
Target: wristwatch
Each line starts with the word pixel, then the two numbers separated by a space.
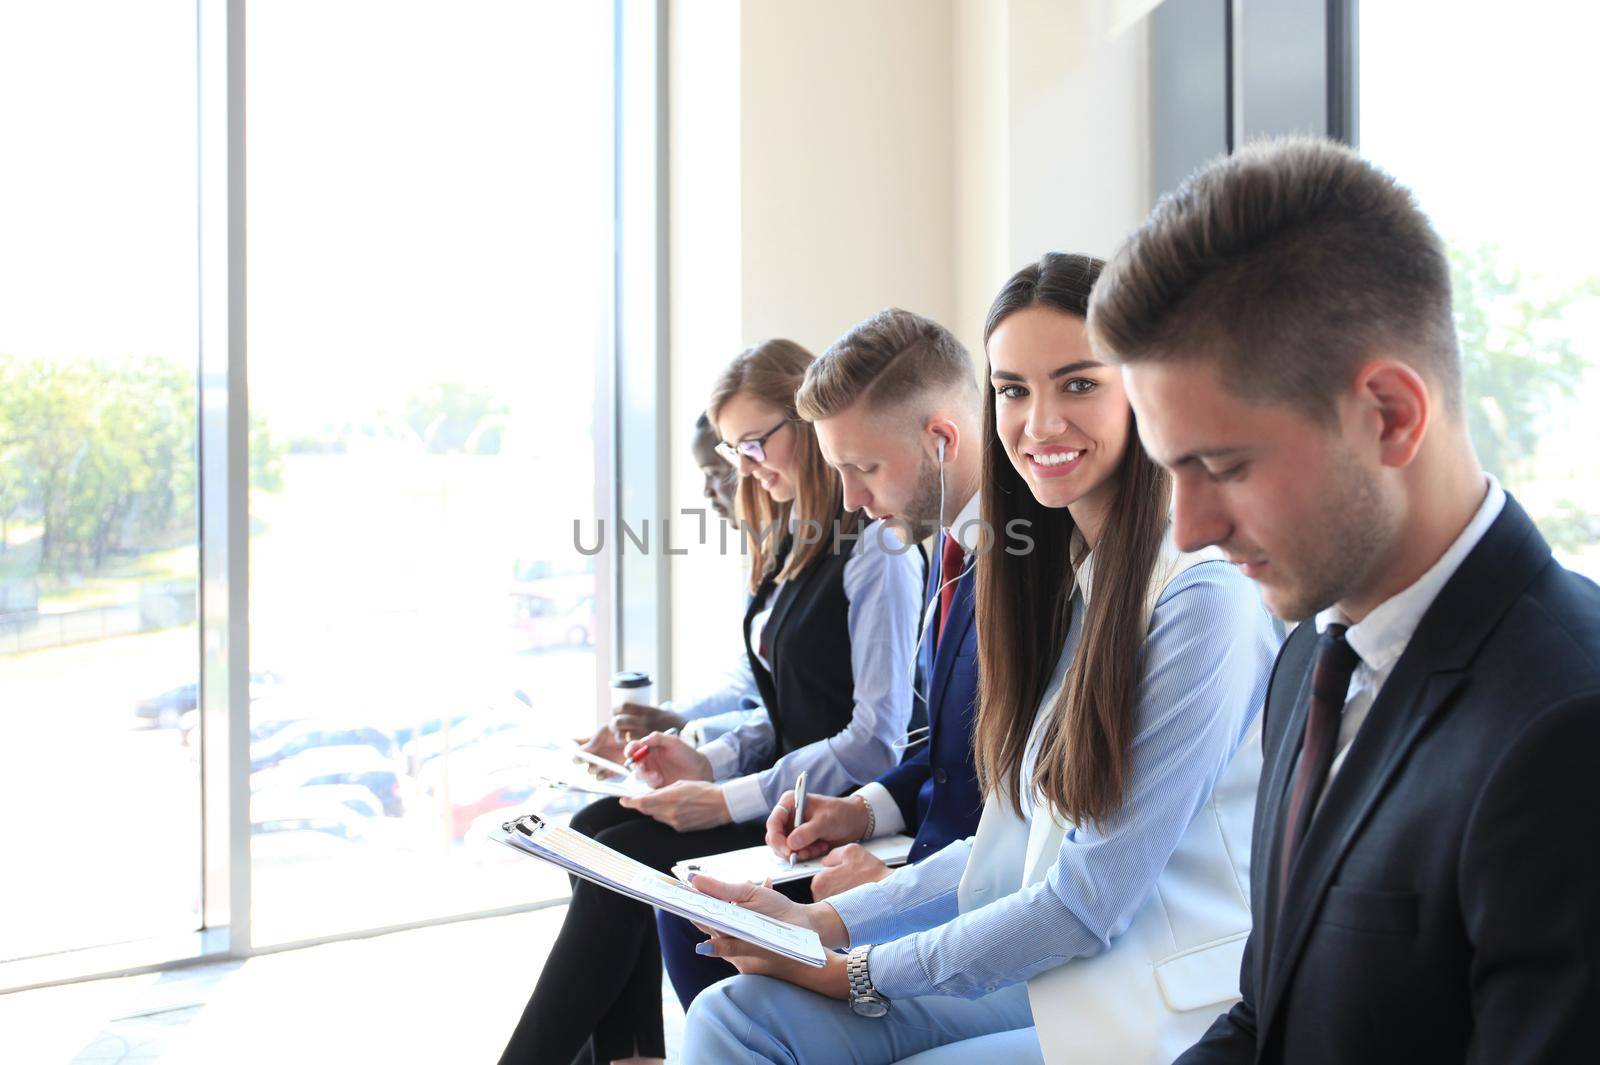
pixel 864 998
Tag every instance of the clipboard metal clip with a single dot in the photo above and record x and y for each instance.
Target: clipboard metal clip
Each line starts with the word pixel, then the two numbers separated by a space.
pixel 526 824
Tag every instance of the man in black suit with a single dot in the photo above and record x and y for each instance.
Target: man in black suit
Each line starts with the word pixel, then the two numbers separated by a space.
pixel 1426 882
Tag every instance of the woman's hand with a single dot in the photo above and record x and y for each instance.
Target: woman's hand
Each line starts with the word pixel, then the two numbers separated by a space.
pixel 829 822
pixel 847 867
pixel 817 916
pixel 632 720
pixel 688 805
pixel 666 760
pixel 830 980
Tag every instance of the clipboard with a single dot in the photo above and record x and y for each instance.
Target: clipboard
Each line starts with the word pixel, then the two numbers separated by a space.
pixel 595 862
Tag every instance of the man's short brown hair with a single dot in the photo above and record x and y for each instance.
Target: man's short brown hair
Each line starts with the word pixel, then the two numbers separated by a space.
pixel 884 360
pixel 1290 262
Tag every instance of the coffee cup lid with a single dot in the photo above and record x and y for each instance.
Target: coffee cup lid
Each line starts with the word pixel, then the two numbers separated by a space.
pixel 630 679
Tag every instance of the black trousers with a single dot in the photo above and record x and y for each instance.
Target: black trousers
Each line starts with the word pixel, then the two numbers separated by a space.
pixel 602 981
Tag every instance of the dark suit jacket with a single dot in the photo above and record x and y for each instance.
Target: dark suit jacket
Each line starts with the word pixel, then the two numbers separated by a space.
pixel 936 787
pixel 1446 904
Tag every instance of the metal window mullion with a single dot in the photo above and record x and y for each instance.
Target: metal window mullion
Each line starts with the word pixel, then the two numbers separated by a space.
pixel 641 437
pixel 1344 87
pixel 224 447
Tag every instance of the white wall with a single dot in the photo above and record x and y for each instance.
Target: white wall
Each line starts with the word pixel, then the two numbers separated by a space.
pixel 831 158
pixel 1052 140
pixel 982 165
pixel 704 190
pixel 1079 129
pixel 847 149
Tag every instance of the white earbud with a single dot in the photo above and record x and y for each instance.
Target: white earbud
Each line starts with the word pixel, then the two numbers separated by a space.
pixel 941 449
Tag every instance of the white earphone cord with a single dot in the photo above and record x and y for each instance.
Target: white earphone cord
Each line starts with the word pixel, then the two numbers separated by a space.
pixel 919 735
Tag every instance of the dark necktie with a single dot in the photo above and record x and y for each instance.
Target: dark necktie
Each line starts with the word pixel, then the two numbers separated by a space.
pixel 950 561
pixel 1330 684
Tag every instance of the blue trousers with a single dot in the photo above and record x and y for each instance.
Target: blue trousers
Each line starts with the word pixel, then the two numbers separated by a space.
pixel 759 1019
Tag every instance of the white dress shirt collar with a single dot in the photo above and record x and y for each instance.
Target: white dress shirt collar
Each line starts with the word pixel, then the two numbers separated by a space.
pixel 1381 636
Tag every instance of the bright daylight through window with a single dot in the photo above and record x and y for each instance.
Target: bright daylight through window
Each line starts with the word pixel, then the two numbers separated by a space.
pixel 99 647
pixel 1473 105
pixel 430 269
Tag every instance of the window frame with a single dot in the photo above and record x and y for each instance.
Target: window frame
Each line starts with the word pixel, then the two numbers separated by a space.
pixel 630 452
pixel 1212 59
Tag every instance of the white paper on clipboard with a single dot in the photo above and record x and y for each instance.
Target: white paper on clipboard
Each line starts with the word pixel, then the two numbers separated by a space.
pixel 595 862
pixel 759 863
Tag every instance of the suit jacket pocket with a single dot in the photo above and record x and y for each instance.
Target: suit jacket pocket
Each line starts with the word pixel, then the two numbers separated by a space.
pixel 1207 975
pixel 1383 912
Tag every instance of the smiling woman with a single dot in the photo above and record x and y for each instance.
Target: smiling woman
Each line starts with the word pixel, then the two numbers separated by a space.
pixel 1065 434
pixel 1058 411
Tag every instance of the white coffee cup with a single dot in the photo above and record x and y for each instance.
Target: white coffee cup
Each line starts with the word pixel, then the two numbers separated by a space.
pixel 629 686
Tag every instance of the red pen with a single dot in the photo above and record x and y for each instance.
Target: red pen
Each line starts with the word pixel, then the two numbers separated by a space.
pixel 639 752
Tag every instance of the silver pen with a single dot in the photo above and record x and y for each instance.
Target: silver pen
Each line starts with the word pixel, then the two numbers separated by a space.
pixel 799 806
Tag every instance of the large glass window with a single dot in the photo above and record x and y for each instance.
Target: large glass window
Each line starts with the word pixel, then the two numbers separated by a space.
pixel 99 649
pixel 430 263
pixel 1480 108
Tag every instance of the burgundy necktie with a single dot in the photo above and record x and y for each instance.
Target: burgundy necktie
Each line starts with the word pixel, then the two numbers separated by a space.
pixel 1330 684
pixel 950 561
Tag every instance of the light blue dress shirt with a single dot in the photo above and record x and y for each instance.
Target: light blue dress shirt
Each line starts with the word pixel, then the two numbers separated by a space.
pixel 1204 669
pixel 883 586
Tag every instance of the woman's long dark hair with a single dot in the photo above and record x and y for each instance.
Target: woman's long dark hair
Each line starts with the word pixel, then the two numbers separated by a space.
pixel 1025 602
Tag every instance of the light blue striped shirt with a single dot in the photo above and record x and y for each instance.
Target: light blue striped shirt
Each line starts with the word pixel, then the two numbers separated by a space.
pixel 883 587
pixel 1204 670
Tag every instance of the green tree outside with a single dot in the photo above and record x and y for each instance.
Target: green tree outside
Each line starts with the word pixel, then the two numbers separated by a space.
pixel 453 416
pixel 1518 362
pixel 102 457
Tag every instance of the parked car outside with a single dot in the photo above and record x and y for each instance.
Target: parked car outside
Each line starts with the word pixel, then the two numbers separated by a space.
pixel 166 709
pixel 384 776
pixel 305 735
pixel 542 623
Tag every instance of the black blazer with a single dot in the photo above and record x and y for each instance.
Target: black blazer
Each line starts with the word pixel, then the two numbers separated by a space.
pixel 809 693
pixel 1446 904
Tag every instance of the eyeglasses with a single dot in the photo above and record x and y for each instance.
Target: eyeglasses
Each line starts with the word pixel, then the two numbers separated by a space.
pixel 752 449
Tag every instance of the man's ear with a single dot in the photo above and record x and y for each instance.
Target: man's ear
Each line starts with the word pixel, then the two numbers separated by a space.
pixel 945 438
pixel 1398 404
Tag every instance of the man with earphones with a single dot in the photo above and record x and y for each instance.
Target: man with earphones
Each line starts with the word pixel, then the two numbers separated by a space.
pixel 897 411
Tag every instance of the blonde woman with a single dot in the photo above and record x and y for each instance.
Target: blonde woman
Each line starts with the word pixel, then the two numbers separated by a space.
pixel 827 643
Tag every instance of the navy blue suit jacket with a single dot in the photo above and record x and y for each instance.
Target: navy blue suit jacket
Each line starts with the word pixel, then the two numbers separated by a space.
pixel 936 787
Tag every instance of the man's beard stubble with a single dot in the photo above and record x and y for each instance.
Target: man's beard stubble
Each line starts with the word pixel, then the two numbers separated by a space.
pixel 923 510
pixel 1352 537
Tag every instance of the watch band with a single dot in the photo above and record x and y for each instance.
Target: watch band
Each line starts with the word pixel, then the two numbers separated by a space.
pixel 865 1001
pixel 855 968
